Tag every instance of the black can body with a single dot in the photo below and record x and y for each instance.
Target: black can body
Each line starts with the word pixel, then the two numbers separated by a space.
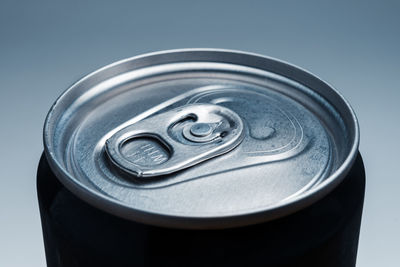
pixel 323 234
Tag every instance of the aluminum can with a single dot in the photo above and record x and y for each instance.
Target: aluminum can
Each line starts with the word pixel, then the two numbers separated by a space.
pixel 201 157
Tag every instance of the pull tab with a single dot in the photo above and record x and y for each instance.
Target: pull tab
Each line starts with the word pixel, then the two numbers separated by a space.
pixel 174 140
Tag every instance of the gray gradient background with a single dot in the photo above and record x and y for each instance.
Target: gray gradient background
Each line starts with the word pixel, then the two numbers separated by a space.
pixel 47 45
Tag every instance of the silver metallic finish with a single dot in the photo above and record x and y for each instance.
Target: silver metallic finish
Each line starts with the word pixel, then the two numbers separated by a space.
pixel 201 129
pixel 299 139
pixel 155 146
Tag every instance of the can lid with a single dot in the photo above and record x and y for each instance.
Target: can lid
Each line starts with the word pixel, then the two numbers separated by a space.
pixel 201 138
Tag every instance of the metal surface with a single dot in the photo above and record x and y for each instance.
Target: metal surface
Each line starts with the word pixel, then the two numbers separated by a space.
pixel 175 140
pixel 300 138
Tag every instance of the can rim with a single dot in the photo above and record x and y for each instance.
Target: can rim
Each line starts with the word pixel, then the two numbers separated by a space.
pixel 280 209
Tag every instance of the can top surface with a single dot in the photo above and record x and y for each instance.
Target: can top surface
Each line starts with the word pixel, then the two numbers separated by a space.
pixel 201 138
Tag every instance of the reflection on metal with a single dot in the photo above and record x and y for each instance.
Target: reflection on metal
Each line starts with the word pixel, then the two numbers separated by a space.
pixel 201 138
pixel 174 140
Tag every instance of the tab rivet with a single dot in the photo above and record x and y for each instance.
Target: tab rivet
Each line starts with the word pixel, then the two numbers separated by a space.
pixel 201 129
